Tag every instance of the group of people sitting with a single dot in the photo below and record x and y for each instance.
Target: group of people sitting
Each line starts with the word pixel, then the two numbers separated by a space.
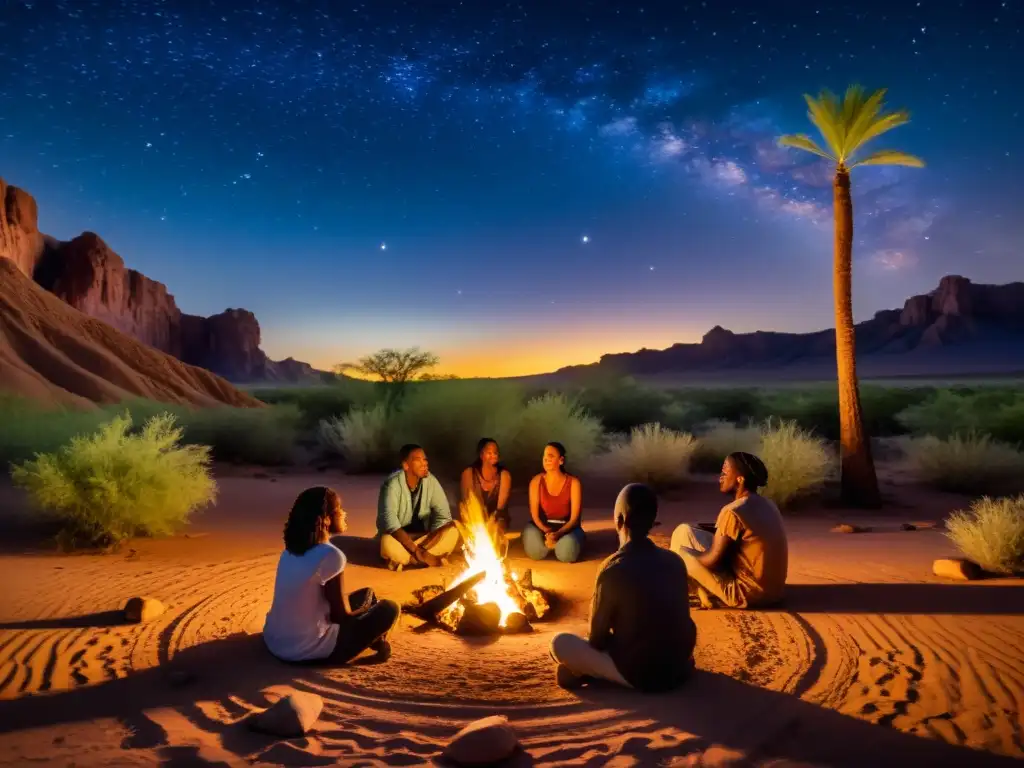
pixel 641 632
pixel 414 519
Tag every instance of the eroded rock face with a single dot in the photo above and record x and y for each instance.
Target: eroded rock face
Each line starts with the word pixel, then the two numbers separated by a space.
pixel 20 239
pixel 89 276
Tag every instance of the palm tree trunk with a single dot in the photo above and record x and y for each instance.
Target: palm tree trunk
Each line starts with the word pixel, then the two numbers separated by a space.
pixel 859 484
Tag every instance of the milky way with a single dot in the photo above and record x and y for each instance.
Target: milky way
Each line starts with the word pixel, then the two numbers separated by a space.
pixel 481 175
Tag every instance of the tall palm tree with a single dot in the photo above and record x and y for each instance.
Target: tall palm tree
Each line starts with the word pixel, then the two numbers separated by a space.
pixel 846 127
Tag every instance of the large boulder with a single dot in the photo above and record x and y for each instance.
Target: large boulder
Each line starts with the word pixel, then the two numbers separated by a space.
pixel 20 239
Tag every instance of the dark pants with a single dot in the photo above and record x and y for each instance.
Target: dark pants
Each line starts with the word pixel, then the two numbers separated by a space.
pixel 358 633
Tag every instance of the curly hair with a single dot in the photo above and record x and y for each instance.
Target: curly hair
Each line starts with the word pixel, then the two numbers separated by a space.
pixel 306 522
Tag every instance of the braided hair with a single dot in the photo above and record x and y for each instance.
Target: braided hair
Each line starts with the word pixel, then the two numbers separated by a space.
pixel 753 470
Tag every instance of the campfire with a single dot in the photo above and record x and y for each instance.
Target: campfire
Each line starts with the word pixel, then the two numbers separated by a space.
pixel 486 596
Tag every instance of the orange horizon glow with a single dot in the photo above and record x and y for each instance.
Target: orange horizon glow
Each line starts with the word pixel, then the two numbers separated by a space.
pixel 511 358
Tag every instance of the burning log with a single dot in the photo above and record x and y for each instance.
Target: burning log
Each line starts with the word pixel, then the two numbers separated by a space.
pixel 429 610
pixel 480 619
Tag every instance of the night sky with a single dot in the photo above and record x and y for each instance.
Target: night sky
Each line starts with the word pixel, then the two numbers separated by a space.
pixel 516 186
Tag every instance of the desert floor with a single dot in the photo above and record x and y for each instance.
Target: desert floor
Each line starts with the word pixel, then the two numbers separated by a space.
pixel 872 661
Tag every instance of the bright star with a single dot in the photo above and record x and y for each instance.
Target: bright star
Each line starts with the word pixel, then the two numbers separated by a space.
pixel 586 239
pixel 383 246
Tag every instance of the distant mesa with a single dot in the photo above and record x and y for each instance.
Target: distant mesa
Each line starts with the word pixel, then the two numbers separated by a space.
pixel 959 328
pixel 87 275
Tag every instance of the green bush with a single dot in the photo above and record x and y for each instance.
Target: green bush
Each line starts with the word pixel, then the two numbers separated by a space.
pixel 114 484
pixel 720 438
pixel 362 438
pixel 652 454
pixel 264 436
pixel 683 416
pixel 990 534
pixel 448 418
pixel 723 404
pixel 544 419
pixel 316 403
pixel 965 464
pixel 798 461
pixel 623 404
pixel 246 435
pixel 996 412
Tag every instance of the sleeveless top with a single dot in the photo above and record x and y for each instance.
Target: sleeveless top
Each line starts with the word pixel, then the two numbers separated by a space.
pixel 490 497
pixel 556 508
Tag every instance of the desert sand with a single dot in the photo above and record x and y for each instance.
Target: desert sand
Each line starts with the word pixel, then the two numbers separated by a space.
pixel 872 661
pixel 54 354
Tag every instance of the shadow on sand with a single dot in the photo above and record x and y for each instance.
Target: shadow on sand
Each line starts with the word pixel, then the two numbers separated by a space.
pixel 711 710
pixel 977 598
pixel 99 619
pixel 725 714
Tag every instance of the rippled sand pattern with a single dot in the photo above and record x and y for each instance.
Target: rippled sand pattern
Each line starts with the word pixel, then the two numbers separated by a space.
pixel 852 672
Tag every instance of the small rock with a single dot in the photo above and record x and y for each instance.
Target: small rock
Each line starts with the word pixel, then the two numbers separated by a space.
pixel 847 528
pixel 956 569
pixel 291 716
pixel 139 610
pixel 919 526
pixel 483 742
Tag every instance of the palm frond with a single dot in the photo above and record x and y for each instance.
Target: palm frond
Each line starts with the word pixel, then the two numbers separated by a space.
pixel 860 116
pixel 824 113
pixel 804 142
pixel 884 124
pixel 890 157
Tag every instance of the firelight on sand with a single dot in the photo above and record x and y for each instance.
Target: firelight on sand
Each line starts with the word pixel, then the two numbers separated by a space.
pixel 484 553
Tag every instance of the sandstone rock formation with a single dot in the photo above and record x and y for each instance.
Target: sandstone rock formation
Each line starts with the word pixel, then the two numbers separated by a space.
pixel 87 274
pixel 52 353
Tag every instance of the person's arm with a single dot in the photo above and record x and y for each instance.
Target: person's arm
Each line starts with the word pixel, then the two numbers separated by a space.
pixel 728 530
pixel 331 572
pixel 440 512
pixel 387 516
pixel 535 503
pixel 466 483
pixel 601 614
pixel 504 490
pixel 575 509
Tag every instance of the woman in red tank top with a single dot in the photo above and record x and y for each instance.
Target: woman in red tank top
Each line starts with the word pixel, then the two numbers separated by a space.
pixel 556 501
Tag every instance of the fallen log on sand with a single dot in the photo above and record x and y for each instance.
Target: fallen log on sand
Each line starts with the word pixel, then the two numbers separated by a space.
pixel 429 610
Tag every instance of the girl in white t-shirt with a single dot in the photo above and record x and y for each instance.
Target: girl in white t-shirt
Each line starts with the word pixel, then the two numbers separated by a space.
pixel 311 617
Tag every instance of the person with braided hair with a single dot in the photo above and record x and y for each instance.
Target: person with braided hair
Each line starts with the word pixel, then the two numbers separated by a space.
pixel 744 563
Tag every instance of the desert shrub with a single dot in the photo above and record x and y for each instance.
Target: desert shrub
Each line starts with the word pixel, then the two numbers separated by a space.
pixel 717 439
pixel 107 487
pixel 965 464
pixel 550 417
pixel 265 436
pixel 682 416
pixel 448 418
pixel 798 462
pixel 990 534
pixel 623 404
pixel 26 428
pixel 362 437
pixel 997 412
pixel 316 403
pixel 652 454
pixel 725 404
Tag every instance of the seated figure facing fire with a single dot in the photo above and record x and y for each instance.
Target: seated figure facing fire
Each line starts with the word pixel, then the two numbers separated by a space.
pixel 490 482
pixel 641 632
pixel 414 521
pixel 556 500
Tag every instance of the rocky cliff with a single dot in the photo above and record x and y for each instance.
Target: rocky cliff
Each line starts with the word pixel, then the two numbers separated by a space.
pixel 92 278
pixel 981 325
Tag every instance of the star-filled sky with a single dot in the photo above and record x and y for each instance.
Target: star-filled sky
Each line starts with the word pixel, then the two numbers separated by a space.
pixel 516 186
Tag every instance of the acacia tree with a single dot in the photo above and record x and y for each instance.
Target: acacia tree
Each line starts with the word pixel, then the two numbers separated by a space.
pixel 393 368
pixel 846 127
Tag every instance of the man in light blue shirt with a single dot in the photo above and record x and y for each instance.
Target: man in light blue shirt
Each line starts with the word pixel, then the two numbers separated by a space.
pixel 414 521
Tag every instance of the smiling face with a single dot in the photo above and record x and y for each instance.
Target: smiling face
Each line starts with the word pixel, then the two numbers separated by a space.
pixel 489 456
pixel 552 459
